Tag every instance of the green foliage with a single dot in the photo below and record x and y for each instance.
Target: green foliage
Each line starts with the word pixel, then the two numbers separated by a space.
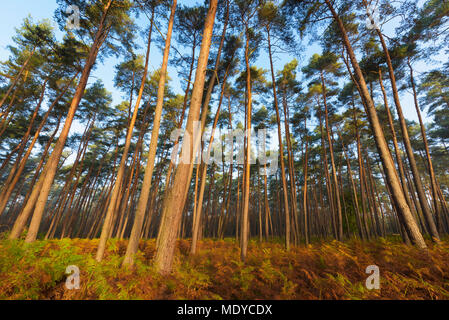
pixel 35 267
pixel 322 271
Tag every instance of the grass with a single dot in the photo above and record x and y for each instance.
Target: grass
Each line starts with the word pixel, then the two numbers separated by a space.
pixel 328 270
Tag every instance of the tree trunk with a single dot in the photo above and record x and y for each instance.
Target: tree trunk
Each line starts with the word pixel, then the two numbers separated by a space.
pixel 174 203
pixel 334 172
pixel 433 180
pixel 197 217
pixel 136 231
pixel 384 152
pixel 281 147
pixel 42 189
pixel 408 147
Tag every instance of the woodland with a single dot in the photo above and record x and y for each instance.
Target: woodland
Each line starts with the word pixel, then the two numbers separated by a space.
pixel 353 96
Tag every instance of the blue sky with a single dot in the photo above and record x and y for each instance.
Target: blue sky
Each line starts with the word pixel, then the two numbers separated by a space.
pixel 13 12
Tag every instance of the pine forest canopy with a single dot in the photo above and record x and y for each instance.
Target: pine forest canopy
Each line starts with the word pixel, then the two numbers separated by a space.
pixel 353 97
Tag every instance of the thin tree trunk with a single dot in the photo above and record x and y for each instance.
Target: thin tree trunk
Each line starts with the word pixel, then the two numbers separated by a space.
pixel 306 213
pixel 408 147
pixel 281 147
pixel 334 172
pixel 136 231
pixel 433 180
pixel 16 174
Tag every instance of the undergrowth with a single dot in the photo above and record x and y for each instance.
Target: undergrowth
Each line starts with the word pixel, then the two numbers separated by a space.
pixel 331 270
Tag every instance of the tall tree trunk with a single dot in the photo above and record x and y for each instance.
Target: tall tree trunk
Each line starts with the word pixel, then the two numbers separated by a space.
pixel 41 191
pixel 15 175
pixel 396 145
pixel 329 187
pixel 247 166
pixel 291 170
pixel 281 147
pixel 433 180
pixel 354 191
pixel 408 146
pixel 136 231
pixel 306 213
pixel 113 206
pixel 334 171
pixel 174 203
pixel 384 152
pixel 197 217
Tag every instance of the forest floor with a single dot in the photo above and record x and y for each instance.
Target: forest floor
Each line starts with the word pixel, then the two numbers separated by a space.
pixel 326 270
